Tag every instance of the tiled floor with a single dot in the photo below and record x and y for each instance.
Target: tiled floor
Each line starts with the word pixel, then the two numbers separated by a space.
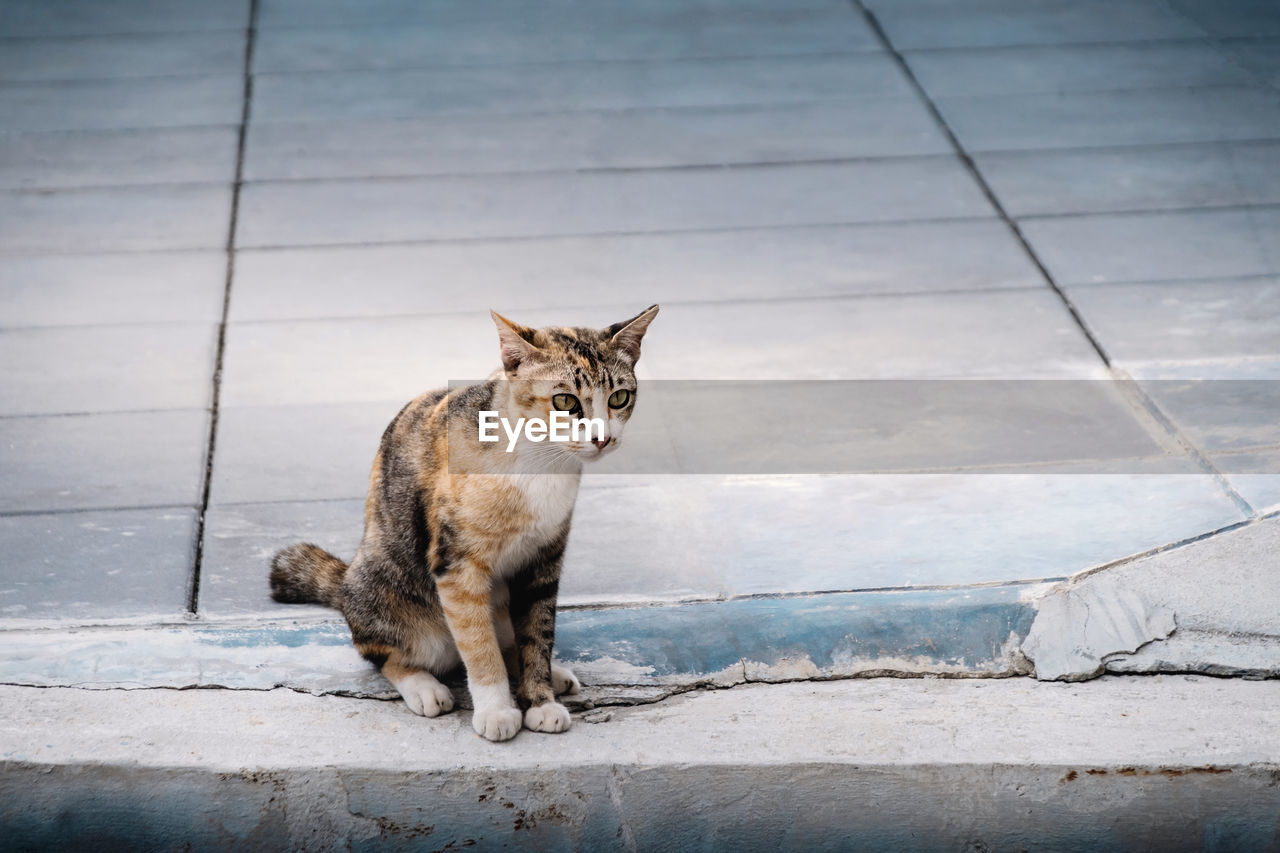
pixel 768 171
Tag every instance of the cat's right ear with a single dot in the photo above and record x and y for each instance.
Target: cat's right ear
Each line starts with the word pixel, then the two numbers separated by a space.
pixel 516 342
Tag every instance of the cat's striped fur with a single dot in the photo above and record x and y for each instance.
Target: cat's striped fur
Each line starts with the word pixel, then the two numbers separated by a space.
pixel 463 540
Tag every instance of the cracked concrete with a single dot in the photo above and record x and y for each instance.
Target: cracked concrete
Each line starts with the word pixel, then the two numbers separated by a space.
pixel 1212 606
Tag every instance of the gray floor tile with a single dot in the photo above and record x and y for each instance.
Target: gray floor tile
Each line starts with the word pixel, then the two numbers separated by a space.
pixel 890 526
pixel 80 58
pixel 292 453
pixel 1234 409
pixel 1223 174
pixel 667 268
pixel 152 287
pixel 1158 246
pixel 64 159
pixel 1050 526
pixel 240 541
pixel 1075 68
pixel 1186 321
pixel 995 335
pixel 108 104
pixel 677 13
pixel 96 565
pixel 993 23
pixel 1256 476
pixel 192 216
pixel 906 426
pixel 1261 56
pixel 1232 17
pixel 302 214
pixel 106 368
pixel 372 360
pixel 507 39
pixel 893 525
pixel 102 461
pixel 571 87
pixel 878 127
pixel 1079 119
pixel 99 17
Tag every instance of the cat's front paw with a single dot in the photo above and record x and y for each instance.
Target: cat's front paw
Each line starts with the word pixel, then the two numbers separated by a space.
pixel 424 695
pixel 496 723
pixel 547 717
pixel 563 680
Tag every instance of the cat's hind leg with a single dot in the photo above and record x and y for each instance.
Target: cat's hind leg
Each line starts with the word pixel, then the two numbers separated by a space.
pixel 422 691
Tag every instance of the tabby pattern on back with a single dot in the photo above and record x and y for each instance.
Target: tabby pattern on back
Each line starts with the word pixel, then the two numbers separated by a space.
pixel 464 539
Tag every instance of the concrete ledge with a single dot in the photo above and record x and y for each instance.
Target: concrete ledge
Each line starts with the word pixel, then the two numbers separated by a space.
pixel 1163 762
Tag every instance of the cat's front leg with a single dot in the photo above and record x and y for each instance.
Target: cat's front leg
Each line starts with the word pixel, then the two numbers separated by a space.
pixel 533 615
pixel 465 597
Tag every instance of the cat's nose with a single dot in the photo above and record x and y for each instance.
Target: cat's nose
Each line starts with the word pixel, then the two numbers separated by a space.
pixel 601 442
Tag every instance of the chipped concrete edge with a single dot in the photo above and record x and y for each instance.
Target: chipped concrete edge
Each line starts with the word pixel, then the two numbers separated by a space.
pixel 1210 606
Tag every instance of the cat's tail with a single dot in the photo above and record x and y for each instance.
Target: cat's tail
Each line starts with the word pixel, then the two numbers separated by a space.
pixel 307 574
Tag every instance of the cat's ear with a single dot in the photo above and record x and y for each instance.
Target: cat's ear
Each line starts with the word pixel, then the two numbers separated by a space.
pixel 516 341
pixel 627 334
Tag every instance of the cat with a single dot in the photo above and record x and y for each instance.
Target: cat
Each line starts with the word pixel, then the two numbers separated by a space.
pixel 464 540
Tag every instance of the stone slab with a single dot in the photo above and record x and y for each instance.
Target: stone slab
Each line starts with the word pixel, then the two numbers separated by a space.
pixel 95 18
pixel 873 127
pixel 1256 476
pixel 98 58
pixel 1050 526
pixel 89 289
pixel 318 213
pixel 680 33
pixel 240 540
pixel 181 216
pixel 1088 119
pixel 1001 334
pixel 88 566
pixel 565 87
pixel 381 360
pixel 1000 23
pixel 1184 321
pixel 565 274
pixel 106 368
pixel 123 104
pixel 1077 67
pixel 68 159
pixel 289 453
pixel 1231 412
pixel 102 461
pixel 667 14
pixel 1182 245
pixel 1226 174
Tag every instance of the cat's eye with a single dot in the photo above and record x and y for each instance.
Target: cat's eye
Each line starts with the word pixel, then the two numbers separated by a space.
pixel 619 398
pixel 566 403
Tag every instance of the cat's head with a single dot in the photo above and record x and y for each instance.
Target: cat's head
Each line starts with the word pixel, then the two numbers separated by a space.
pixel 582 372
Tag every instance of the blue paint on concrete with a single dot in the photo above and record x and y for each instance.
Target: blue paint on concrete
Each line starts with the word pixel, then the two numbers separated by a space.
pixel 953 627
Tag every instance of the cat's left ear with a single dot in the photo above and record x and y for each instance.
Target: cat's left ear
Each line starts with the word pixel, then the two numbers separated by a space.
pixel 627 334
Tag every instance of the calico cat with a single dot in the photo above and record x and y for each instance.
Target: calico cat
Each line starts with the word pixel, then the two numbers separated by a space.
pixel 463 539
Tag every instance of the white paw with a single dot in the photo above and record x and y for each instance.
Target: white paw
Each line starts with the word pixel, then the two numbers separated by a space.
pixel 496 723
pixel 424 695
pixel 547 717
pixel 563 680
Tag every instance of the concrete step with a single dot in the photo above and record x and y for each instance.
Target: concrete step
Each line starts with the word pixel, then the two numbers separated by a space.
pixel 1158 763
